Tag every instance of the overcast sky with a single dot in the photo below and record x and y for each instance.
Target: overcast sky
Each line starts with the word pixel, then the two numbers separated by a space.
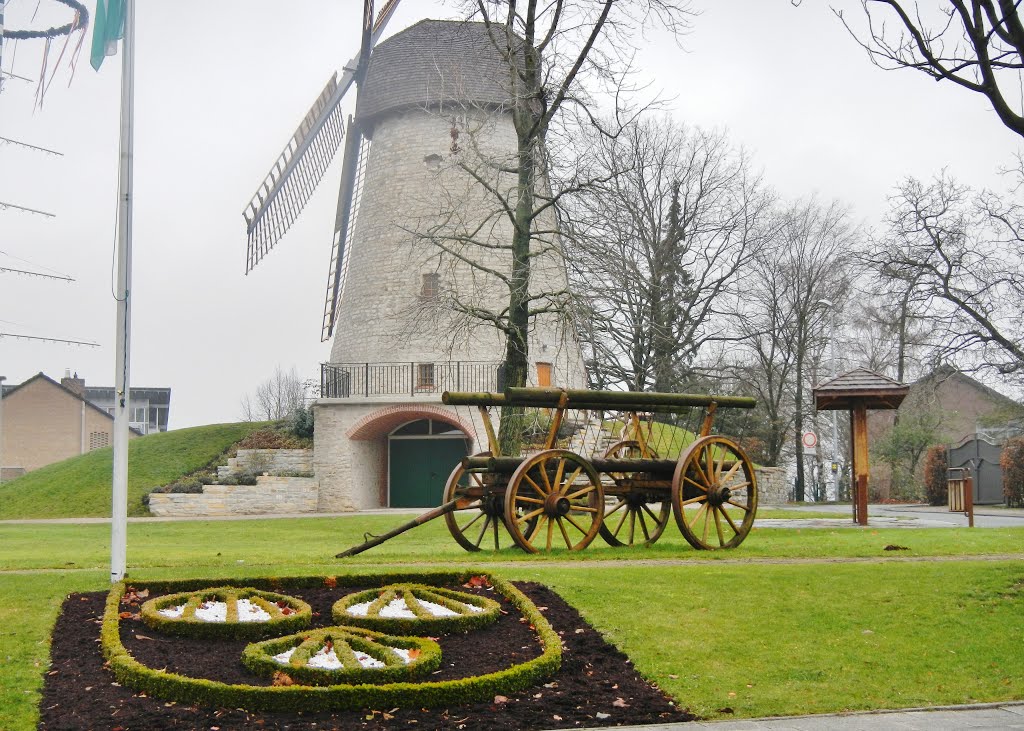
pixel 221 87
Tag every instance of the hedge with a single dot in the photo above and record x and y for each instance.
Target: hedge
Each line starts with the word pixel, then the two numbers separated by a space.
pixel 292 698
pixel 189 626
pixel 345 641
pixel 425 621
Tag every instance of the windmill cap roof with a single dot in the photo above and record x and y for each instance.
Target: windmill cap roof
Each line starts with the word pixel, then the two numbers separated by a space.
pixel 432 63
pixel 860 387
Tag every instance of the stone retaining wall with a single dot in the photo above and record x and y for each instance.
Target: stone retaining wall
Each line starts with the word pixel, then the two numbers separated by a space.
pixel 274 461
pixel 772 485
pixel 268 495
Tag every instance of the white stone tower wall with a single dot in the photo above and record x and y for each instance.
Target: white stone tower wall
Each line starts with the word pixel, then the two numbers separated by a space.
pixel 413 188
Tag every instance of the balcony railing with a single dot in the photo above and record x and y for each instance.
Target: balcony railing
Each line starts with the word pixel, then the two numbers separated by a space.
pixel 345 380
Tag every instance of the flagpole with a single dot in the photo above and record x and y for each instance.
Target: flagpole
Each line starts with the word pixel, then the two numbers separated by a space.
pixel 122 390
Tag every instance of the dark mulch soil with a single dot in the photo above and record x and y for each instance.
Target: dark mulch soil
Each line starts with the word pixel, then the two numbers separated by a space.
pixel 595 677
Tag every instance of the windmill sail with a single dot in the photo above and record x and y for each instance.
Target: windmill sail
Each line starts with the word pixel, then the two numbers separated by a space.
pixel 299 169
pixel 352 173
pixel 290 183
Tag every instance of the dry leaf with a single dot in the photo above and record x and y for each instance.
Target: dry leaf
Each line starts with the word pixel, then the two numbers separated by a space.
pixel 620 703
pixel 557 717
pixel 500 699
pixel 330 582
pixel 673 676
pixel 414 653
pixel 282 679
pixel 602 715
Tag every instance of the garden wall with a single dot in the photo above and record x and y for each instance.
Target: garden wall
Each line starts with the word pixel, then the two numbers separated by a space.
pixel 772 485
pixel 268 495
pixel 274 461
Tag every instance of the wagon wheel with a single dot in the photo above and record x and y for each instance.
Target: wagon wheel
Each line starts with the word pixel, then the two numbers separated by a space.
pixel 555 497
pixel 636 522
pixel 714 493
pixel 478 514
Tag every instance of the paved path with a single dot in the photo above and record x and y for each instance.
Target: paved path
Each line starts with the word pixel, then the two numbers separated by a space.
pixel 979 716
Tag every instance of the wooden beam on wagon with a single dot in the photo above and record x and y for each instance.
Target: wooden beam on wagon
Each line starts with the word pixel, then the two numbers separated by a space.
pixel 596 400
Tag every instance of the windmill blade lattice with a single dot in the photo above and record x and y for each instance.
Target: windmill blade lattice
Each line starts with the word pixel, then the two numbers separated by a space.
pixel 300 167
pixel 353 172
pixel 298 170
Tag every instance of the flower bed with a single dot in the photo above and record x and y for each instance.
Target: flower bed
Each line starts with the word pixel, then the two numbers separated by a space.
pixel 343 655
pixel 226 612
pixel 415 609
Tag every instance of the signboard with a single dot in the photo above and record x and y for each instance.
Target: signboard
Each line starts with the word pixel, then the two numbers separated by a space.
pixel 810 441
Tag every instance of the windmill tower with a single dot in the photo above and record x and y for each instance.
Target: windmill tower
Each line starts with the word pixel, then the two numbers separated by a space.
pixel 431 119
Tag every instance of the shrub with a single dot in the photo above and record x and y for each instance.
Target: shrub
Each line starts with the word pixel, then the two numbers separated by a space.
pixel 287 614
pixel 471 611
pixel 935 464
pixel 302 422
pixel 345 641
pixel 245 478
pixel 187 485
pixel 1012 462
pixel 229 480
pixel 271 439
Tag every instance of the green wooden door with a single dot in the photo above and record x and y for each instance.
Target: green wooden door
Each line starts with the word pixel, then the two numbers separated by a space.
pixel 418 469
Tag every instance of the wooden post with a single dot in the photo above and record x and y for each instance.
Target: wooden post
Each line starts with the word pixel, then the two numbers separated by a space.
pixel 969 499
pixel 853 474
pixel 860 461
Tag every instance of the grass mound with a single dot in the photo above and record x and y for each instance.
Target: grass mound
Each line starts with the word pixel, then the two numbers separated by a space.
pixel 80 487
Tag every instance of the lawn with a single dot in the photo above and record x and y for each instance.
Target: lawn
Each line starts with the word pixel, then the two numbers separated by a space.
pixel 80 486
pixel 759 638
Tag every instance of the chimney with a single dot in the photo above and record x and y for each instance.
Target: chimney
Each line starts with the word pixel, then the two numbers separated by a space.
pixel 73 383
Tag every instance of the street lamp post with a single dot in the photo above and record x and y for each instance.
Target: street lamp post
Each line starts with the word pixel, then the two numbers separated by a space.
pixel 835 372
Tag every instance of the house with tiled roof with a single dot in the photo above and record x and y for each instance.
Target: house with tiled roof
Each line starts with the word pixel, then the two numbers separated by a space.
pixel 46 421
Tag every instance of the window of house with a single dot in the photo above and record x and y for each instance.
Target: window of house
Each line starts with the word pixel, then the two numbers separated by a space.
pixel 424 375
pixel 543 374
pixel 98 440
pixel 431 286
pixel 139 414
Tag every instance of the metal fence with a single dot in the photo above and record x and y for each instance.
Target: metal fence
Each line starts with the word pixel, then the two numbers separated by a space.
pixel 344 380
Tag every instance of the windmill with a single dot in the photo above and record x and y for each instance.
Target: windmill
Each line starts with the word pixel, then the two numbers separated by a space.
pixel 300 167
pixel 403 179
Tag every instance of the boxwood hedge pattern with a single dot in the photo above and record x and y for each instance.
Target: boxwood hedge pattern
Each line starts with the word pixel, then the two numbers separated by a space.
pixel 287 614
pixel 291 698
pixel 486 610
pixel 425 656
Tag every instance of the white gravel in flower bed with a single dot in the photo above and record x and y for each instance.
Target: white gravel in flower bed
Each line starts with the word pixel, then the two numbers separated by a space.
pixel 218 612
pixel 328 660
pixel 397 609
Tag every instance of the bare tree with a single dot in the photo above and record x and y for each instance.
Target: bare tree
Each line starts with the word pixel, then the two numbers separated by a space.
pixel 960 252
pixel 787 309
pixel 278 397
pixel 975 44
pixel 558 56
pixel 658 247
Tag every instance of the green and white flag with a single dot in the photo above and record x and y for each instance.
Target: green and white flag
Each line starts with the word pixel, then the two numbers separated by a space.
pixel 107 30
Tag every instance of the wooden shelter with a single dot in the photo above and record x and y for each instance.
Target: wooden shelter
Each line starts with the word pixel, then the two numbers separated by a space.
pixel 858 391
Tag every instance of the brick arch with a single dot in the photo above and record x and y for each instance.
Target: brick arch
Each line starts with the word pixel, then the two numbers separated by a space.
pixel 383 421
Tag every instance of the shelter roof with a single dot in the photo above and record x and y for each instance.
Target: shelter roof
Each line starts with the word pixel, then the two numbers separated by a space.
pixel 859 387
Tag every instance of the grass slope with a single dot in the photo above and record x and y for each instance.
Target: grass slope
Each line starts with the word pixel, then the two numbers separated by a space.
pixel 80 487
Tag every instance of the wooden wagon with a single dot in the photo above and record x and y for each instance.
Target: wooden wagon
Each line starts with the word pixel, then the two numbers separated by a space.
pixel 559 492
pixel 551 496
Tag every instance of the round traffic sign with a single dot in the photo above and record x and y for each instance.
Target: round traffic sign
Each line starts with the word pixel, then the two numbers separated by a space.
pixel 810 440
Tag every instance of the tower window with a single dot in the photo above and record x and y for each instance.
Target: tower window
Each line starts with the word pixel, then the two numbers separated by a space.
pixel 431 286
pixel 424 375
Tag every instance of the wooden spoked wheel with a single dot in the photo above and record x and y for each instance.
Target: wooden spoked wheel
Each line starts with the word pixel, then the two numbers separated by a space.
pixel 714 493
pixel 554 499
pixel 477 520
pixel 633 516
